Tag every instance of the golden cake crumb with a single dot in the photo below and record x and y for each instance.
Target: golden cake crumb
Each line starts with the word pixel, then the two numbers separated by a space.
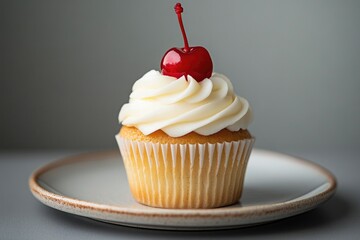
pixel 190 138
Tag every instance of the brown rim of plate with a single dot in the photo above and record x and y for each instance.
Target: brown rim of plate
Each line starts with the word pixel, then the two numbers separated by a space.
pixel 81 205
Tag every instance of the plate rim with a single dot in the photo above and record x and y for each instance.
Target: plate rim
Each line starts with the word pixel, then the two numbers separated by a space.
pixel 82 207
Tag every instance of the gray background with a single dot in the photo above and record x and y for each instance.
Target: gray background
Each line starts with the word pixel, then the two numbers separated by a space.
pixel 68 66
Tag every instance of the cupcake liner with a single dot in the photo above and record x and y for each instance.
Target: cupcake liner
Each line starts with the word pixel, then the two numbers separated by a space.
pixel 185 175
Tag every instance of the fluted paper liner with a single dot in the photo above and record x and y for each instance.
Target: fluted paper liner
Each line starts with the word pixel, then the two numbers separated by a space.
pixel 185 175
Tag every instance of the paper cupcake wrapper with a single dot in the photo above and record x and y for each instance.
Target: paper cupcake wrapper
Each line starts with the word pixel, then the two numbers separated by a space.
pixel 185 175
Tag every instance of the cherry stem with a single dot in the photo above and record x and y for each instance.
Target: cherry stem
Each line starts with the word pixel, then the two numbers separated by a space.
pixel 178 11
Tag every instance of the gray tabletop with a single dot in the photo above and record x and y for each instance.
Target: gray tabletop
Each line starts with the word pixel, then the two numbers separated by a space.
pixel 23 217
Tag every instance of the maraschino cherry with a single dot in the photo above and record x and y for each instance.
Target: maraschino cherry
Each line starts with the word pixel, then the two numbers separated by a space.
pixel 193 61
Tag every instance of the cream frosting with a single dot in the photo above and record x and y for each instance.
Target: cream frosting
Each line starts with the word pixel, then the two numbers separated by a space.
pixel 180 106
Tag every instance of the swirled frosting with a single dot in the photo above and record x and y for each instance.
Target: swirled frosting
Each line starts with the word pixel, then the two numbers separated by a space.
pixel 180 106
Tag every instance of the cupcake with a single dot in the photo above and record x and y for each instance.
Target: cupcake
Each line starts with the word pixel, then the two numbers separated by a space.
pixel 184 138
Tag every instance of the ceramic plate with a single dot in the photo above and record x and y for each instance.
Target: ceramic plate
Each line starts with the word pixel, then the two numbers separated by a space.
pixel 94 185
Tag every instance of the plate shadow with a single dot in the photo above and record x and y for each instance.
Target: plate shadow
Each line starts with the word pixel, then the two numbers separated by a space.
pixel 326 215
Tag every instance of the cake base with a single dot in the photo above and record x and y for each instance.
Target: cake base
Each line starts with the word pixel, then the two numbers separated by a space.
pixel 166 172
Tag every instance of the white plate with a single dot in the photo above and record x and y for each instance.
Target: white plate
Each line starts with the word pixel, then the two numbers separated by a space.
pixel 94 185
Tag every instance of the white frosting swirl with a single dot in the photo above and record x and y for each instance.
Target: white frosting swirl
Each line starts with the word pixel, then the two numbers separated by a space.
pixel 180 106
